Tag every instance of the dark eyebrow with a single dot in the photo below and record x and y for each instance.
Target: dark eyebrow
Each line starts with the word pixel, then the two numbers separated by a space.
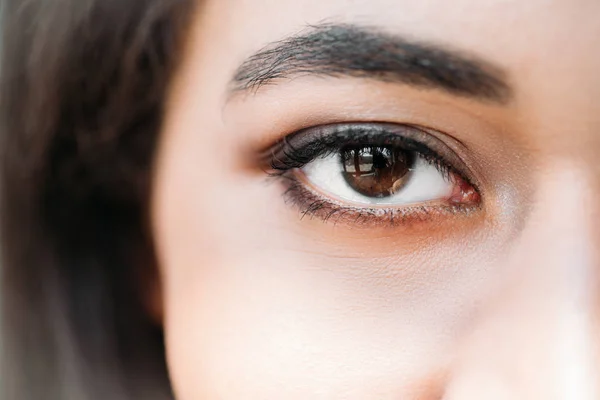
pixel 349 50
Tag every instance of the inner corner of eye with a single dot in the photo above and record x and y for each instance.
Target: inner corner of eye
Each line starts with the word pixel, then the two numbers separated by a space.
pixel 464 192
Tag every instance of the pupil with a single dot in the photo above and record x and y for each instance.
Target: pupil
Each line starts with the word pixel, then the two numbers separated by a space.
pixel 376 171
pixel 380 160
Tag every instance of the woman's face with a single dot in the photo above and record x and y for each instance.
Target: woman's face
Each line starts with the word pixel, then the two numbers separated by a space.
pixel 383 199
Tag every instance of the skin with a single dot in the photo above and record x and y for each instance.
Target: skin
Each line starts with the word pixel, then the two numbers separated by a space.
pixel 503 303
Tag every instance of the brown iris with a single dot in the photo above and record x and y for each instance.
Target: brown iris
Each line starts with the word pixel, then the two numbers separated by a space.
pixel 376 171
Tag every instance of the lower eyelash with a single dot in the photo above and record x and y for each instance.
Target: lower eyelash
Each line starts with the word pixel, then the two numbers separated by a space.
pixel 312 205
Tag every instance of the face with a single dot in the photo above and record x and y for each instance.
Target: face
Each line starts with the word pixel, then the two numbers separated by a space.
pixel 383 199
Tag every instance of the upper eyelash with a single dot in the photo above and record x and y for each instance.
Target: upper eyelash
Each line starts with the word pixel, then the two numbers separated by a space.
pixel 284 156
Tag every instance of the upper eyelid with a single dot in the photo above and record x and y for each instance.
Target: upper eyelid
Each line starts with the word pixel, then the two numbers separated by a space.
pixel 403 130
pixel 446 147
pixel 372 130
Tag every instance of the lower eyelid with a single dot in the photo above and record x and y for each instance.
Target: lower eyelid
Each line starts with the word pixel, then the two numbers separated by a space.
pixel 313 205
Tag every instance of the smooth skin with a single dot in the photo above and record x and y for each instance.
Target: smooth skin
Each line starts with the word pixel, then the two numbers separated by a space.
pixel 503 303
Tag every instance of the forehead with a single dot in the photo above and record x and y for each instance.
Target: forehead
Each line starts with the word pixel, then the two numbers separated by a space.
pixel 490 26
pixel 551 39
pixel 549 48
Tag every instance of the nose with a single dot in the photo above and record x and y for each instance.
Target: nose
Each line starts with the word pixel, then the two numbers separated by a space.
pixel 539 336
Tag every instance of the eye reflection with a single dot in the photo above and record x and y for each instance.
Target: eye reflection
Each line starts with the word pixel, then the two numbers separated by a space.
pixel 376 171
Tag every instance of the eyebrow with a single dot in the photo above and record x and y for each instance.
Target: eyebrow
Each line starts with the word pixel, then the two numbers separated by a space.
pixel 353 51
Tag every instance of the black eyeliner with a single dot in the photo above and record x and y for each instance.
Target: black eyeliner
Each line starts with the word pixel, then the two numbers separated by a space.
pixel 298 149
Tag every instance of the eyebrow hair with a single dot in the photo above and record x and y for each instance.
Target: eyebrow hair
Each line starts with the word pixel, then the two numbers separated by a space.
pixel 352 51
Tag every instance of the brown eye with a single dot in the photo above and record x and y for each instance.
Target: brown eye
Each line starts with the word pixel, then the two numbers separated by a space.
pixel 377 171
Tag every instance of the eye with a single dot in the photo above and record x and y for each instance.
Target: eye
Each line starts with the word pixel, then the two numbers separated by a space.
pixel 372 171
pixel 379 175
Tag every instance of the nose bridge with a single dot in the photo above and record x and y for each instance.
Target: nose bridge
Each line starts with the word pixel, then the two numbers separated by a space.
pixel 539 336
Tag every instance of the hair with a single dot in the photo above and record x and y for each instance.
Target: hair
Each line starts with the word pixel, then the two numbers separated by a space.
pixel 82 87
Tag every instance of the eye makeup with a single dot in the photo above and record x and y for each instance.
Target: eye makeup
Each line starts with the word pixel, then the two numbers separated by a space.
pixel 372 173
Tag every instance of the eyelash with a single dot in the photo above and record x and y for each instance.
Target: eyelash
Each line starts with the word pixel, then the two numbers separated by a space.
pixel 287 156
pixel 292 158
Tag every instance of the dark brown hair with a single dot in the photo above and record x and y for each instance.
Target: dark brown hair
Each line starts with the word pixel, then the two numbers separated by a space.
pixel 81 102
